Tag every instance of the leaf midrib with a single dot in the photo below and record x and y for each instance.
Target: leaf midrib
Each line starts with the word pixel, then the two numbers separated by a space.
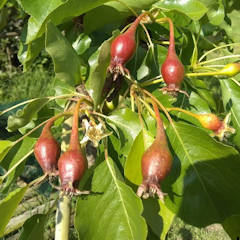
pixel 189 158
pixel 120 195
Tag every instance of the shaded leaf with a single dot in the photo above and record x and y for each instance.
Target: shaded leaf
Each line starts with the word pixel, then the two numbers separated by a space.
pixel 115 207
pixel 8 206
pixel 209 177
pixel 98 63
pixel 158 217
pixel 66 62
pixel 128 125
pixel 232 227
pixel 25 115
pixel 33 228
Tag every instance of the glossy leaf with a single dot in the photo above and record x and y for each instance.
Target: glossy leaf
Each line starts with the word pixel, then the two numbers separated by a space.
pixel 117 210
pixel 66 62
pixel 5 146
pixel 58 11
pixel 114 12
pixel 192 8
pixel 8 206
pixel 25 115
pixel 33 228
pixel 128 125
pixel 82 43
pixel 208 177
pixel 132 168
pixel 99 63
pixel 231 99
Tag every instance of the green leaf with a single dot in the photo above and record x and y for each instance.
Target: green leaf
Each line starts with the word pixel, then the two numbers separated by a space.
pixel 57 11
pixel 192 8
pixel 5 146
pixel 27 53
pixel 25 115
pixel 24 148
pixel 117 210
pixel 82 43
pixel 149 67
pixel 99 63
pixel 158 217
pixel 208 177
pixel 132 168
pixel 33 228
pixel 66 62
pixel 201 88
pixel 232 227
pixel 231 100
pixel 127 123
pixel 198 104
pixel 8 206
pixel 2 3
pixel 113 12
pixel 215 12
pixel 3 17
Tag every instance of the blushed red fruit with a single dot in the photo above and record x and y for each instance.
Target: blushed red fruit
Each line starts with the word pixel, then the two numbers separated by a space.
pixel 156 163
pixel 210 121
pixel 47 150
pixel 123 47
pixel 172 69
pixel 72 164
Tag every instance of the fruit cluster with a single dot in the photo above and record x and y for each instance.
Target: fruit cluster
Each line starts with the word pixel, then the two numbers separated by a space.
pixel 157 160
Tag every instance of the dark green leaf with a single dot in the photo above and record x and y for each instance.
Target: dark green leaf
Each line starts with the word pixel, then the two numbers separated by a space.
pixel 66 62
pixel 158 217
pixel 33 228
pixel 98 62
pixel 232 227
pixel 209 177
pixel 117 210
pixel 25 115
pixel 8 206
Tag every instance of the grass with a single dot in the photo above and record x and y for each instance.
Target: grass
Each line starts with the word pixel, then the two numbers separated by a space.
pixel 17 86
pixel 182 231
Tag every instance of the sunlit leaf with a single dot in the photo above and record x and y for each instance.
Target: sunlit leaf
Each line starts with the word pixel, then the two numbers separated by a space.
pixel 114 205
